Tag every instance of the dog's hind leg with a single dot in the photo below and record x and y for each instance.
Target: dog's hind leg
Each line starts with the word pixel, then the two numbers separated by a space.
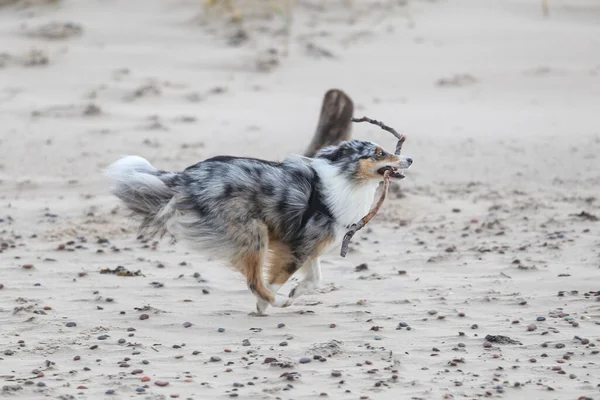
pixel 250 258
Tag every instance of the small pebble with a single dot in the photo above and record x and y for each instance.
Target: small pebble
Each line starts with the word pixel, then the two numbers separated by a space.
pixel 102 337
pixel 137 371
pixel 403 325
pixel 122 341
pixel 540 319
pixel 531 327
pixel 215 358
pixel 27 266
pixel 76 358
pixel 110 391
pixel 144 316
pixel 332 326
pixel 70 324
pixel 221 330
pixel 109 299
pixel 187 324
pixel 474 326
pixel 377 337
pixel 336 373
pixel 280 325
pixel 140 390
pixel 560 345
pixel 146 379
pixel 304 360
pixel 41 384
pixel 161 383
pixel 585 341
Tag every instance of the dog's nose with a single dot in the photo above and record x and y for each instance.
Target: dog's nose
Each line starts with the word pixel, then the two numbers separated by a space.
pixel 409 160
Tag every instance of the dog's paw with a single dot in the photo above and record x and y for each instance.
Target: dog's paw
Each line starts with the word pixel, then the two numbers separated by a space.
pixel 282 301
pixel 257 314
pixel 261 308
pixel 302 288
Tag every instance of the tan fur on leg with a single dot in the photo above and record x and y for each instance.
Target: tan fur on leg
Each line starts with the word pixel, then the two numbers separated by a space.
pixel 280 258
pixel 251 258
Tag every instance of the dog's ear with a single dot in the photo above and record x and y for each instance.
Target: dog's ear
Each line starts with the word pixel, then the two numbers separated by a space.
pixel 334 122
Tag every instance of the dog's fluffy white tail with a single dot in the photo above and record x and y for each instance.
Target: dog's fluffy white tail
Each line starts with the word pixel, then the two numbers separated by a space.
pixel 144 189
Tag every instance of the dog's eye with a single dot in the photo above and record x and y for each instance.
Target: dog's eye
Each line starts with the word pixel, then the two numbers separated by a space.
pixel 379 154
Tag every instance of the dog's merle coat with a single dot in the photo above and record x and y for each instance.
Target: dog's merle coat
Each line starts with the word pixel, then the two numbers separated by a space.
pixel 240 208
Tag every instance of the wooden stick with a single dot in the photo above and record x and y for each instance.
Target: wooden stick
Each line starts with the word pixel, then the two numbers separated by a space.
pixel 386 185
pixel 334 122
pixel 365 220
pixel 379 124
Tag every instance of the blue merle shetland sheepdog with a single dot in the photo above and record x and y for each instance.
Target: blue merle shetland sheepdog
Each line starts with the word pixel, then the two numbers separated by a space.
pixel 267 219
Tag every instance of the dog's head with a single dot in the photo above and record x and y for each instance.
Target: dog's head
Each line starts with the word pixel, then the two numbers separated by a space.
pixel 364 161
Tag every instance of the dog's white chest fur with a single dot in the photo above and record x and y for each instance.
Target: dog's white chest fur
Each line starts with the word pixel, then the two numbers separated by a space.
pixel 347 201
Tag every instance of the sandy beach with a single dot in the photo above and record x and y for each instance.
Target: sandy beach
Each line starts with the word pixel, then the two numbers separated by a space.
pixel 479 278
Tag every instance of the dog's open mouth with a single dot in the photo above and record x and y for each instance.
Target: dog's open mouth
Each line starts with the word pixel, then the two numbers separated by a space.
pixel 394 172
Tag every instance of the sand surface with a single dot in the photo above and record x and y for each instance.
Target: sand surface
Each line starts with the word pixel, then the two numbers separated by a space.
pixel 494 231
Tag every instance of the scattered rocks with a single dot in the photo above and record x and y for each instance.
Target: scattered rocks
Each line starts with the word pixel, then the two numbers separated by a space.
pixel 499 339
pixel 361 267
pixel 121 271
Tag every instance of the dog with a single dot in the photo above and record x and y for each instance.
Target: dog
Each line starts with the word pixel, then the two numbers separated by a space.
pixel 264 218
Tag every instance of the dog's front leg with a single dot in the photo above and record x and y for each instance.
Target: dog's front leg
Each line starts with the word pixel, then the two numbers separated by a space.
pixel 311 281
